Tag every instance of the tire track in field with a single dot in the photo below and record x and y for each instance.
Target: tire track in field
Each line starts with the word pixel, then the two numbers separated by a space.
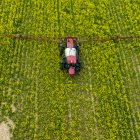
pixel 23 62
pixel 17 62
pixel 70 114
pixel 77 102
pixel 39 108
pixel 43 105
pixel 36 99
pixel 28 72
pixel 36 113
pixel 46 107
pixel 92 98
pixel 36 91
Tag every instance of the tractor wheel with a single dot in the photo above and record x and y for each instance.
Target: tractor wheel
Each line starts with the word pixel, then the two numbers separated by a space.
pixel 62 65
pixel 61 49
pixel 75 40
pixel 77 48
pixel 78 66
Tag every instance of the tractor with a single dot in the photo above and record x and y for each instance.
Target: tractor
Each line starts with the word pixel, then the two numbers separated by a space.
pixel 69 50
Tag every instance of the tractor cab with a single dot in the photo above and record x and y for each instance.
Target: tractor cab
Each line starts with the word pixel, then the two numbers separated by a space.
pixel 70 54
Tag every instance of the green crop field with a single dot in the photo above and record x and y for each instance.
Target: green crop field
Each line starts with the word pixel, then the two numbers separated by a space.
pixel 102 102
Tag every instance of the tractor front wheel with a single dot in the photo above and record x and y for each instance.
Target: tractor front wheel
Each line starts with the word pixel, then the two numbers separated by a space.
pixel 61 49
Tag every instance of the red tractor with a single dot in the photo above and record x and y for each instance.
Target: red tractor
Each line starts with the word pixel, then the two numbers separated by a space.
pixel 70 52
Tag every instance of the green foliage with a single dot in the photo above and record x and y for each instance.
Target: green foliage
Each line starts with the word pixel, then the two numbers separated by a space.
pixel 101 102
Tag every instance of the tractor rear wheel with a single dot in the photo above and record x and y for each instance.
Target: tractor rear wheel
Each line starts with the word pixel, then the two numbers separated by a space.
pixel 62 64
pixel 78 66
pixel 61 49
